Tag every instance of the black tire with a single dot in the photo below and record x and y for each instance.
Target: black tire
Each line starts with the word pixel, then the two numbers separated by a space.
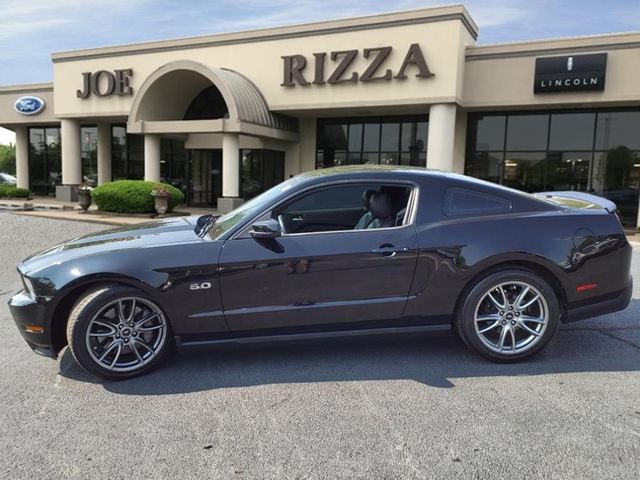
pixel 95 302
pixel 476 299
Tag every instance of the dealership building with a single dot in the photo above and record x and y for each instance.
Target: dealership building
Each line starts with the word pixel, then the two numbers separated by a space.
pixel 224 117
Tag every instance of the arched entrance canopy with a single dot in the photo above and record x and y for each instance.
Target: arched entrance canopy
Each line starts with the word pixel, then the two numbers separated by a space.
pixel 163 99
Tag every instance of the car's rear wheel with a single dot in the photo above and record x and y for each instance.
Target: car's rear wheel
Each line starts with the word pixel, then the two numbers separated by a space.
pixel 117 332
pixel 509 315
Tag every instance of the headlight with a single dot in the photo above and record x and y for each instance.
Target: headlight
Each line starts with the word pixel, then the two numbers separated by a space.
pixel 28 286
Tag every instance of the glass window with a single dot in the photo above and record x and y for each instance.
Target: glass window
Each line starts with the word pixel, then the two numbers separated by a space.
pixel 173 164
pixel 371 137
pixel 422 131
pixel 335 136
pixel 486 165
pixel 569 161
pixel 89 153
pixel 385 140
pixel 118 152
pixel 345 208
pixel 127 154
pixel 135 157
pixel 616 129
pixel 490 132
pixel 45 166
pixel 568 171
pixel 527 132
pixel 407 137
pixel 616 176
pixel 355 137
pixel 261 170
pixel 572 131
pixel 390 137
pixel 329 198
pixel 460 201
pixel 525 171
pixel 390 158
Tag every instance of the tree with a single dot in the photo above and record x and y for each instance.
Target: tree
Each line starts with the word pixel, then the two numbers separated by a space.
pixel 8 159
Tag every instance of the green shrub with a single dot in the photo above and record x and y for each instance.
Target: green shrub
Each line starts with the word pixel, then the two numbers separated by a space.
pixel 132 196
pixel 9 191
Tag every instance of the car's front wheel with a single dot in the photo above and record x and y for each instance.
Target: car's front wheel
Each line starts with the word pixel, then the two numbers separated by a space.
pixel 509 315
pixel 117 332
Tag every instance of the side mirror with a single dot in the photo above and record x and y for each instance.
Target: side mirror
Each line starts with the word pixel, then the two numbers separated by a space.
pixel 266 229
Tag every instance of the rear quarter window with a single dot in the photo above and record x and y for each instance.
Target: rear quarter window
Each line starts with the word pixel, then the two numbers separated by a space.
pixel 465 202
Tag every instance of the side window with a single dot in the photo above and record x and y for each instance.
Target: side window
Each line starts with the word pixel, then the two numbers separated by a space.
pixel 345 207
pixel 329 199
pixel 460 201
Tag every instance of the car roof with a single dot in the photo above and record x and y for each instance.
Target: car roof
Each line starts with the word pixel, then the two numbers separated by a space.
pixel 394 171
pixel 403 172
pixel 351 171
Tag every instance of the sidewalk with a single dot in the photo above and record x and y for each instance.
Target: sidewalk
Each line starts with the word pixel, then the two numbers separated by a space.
pixel 47 207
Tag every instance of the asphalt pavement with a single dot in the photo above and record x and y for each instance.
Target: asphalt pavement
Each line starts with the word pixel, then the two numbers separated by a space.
pixel 418 407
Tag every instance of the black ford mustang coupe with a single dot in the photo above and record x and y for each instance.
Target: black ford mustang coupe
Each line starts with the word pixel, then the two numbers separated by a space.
pixel 335 252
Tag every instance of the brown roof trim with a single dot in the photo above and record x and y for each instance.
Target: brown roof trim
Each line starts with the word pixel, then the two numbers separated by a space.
pixel 386 20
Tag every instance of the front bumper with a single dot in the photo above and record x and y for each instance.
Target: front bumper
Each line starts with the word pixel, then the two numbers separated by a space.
pixel 28 312
pixel 601 306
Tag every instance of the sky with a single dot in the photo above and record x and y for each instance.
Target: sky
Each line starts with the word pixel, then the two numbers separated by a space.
pixel 32 29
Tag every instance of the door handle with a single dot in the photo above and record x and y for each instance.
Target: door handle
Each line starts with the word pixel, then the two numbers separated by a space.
pixel 388 250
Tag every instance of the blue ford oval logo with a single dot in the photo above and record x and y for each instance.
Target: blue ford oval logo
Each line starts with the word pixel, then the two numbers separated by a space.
pixel 29 105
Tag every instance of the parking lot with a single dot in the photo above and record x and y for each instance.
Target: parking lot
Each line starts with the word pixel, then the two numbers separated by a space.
pixel 418 407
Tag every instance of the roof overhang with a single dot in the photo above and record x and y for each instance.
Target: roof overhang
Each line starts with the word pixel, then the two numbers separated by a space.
pixel 248 111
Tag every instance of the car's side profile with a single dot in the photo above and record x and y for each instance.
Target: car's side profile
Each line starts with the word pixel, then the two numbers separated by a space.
pixel 345 251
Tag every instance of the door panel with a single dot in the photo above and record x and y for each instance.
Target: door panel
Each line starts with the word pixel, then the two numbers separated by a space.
pixel 331 280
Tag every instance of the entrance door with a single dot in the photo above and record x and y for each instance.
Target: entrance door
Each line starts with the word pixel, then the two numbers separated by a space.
pixel 205 177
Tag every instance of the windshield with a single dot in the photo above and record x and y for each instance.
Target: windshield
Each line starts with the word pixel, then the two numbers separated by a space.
pixel 247 210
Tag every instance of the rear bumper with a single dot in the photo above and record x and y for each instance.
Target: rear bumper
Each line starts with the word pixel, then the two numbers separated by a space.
pixel 28 312
pixel 611 303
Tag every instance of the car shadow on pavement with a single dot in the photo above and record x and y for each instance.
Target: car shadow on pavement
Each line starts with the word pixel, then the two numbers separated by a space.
pixel 433 360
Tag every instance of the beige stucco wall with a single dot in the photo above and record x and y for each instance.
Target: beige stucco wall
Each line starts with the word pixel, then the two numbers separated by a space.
pixel 8 96
pixel 442 43
pixel 501 76
pixel 460 142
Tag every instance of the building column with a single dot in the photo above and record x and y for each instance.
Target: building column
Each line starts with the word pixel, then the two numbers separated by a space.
pixel 152 158
pixel 22 157
pixel 104 153
pixel 230 173
pixel 441 141
pixel 71 160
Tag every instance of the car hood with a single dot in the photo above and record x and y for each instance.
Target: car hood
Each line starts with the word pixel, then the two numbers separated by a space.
pixel 144 235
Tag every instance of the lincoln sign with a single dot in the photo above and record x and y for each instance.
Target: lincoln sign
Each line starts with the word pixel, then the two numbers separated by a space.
pixel 336 67
pixel 570 73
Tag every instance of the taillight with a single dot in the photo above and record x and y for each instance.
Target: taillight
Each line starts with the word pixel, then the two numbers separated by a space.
pixel 586 287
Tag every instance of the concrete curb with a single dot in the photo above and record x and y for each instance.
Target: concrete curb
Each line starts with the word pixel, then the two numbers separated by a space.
pixel 22 205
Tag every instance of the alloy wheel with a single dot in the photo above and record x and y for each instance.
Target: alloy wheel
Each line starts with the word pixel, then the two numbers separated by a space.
pixel 126 334
pixel 511 317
